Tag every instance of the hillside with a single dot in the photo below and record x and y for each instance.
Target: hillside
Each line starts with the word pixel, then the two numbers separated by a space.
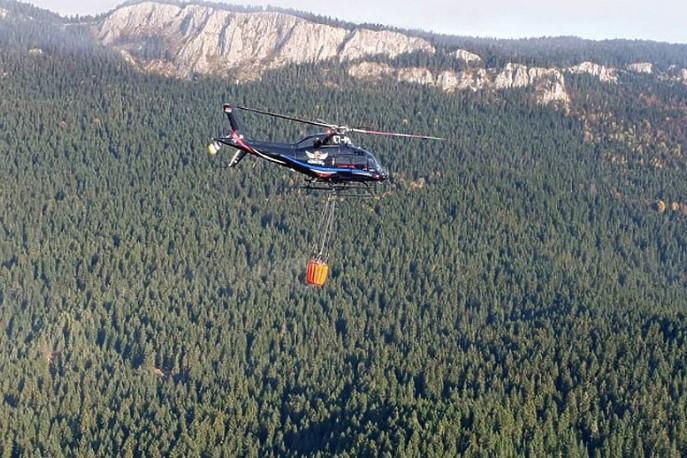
pixel 184 40
pixel 526 299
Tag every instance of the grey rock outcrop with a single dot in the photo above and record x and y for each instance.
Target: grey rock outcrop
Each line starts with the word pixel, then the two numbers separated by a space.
pixel 512 75
pixel 371 71
pixel 641 67
pixel 473 80
pixel 182 40
pixel 548 83
pixel 674 73
pixel 199 39
pixel 376 71
pixel 415 75
pixel 467 56
pixel 361 43
pixel 605 74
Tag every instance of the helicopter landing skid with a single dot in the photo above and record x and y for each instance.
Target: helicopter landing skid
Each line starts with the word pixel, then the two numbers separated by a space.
pixel 341 189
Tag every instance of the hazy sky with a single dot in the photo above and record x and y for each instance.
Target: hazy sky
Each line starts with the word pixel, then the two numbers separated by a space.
pixel 662 20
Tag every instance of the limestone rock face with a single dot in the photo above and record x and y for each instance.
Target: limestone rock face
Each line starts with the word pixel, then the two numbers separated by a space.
pixel 605 74
pixel 467 56
pixel 371 70
pixel 447 81
pixel 641 67
pixel 548 83
pixel 674 73
pixel 512 75
pixel 182 40
pixel 362 42
pixel 473 80
pixel 415 75
pixel 377 71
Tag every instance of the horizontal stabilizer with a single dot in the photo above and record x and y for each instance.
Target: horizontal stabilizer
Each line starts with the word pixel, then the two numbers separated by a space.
pixel 214 147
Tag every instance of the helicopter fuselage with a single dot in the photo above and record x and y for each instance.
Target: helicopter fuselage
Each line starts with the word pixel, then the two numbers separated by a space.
pixel 323 157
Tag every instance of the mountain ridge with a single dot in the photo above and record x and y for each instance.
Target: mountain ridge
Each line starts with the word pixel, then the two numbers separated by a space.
pixel 182 40
pixel 206 40
pixel 185 40
pixel 528 273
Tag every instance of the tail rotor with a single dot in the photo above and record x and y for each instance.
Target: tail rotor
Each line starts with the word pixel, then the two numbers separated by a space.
pixel 230 139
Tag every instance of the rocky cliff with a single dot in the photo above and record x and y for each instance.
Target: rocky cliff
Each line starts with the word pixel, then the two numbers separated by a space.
pixel 467 56
pixel 183 40
pixel 548 83
pixel 641 67
pixel 605 74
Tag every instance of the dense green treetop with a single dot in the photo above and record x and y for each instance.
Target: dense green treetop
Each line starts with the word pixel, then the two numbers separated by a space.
pixel 512 292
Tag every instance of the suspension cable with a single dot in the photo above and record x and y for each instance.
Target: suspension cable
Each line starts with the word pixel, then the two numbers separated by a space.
pixel 325 228
pixel 320 227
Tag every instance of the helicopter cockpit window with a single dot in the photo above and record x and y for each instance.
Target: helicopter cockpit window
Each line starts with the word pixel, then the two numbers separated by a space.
pixel 307 142
pixel 353 161
pixel 372 163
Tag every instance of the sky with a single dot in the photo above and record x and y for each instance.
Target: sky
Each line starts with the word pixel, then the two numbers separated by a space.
pixel 660 20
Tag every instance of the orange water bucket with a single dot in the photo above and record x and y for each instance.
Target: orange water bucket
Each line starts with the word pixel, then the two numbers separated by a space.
pixel 316 273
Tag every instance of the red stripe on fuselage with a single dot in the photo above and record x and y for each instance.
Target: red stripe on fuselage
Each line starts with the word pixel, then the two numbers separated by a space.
pixel 239 141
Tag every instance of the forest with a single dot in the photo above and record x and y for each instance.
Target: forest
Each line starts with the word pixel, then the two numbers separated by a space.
pixel 512 292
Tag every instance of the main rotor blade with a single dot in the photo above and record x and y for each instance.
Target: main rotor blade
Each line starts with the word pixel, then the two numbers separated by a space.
pixel 290 118
pixel 335 127
pixel 394 134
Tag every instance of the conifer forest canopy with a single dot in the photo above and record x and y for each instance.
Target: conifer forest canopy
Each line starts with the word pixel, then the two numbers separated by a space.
pixel 512 292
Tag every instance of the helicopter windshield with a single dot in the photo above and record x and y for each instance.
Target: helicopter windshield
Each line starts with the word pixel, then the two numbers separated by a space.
pixel 372 163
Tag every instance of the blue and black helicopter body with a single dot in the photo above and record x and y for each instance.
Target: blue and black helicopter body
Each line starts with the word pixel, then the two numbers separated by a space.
pixel 329 160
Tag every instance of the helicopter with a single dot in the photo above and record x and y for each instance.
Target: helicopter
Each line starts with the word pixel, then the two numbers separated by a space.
pixel 329 160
